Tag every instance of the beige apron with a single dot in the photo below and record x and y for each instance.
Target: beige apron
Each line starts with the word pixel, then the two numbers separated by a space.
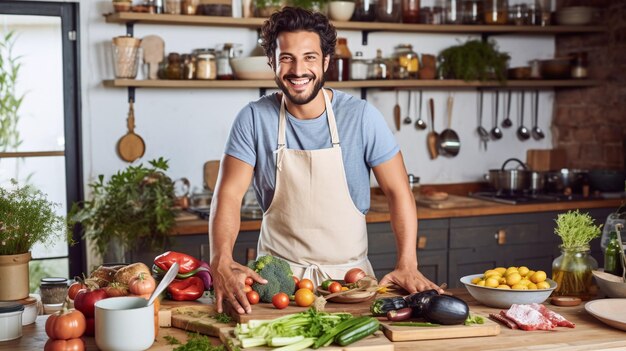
pixel 312 221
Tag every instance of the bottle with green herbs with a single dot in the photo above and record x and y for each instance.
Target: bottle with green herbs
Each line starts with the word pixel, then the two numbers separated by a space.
pixel 613 256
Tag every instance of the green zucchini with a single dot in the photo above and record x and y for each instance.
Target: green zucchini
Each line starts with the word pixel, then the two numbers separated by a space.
pixel 381 306
pixel 358 332
pixel 326 338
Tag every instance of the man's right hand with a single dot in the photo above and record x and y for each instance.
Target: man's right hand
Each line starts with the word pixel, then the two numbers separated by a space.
pixel 229 281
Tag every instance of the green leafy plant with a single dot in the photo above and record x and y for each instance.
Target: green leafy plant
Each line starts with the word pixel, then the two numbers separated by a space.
pixel 267 4
pixel 314 5
pixel 10 100
pixel 474 60
pixel 576 229
pixel 28 217
pixel 133 207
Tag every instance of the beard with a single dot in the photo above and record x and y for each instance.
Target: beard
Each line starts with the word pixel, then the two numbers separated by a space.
pixel 300 98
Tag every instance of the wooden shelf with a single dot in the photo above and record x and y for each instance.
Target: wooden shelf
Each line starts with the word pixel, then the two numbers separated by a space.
pixel 133 17
pixel 389 84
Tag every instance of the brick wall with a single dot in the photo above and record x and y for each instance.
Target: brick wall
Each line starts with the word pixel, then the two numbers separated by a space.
pixel 590 123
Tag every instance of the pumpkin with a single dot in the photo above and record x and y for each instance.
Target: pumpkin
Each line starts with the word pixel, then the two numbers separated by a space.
pixel 66 324
pixel 65 345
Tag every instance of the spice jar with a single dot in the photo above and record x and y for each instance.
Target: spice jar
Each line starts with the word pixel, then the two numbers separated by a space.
pixel 358 67
pixel 579 65
pixel 364 11
pixel 454 12
pixel 472 11
pixel 53 290
pixel 172 7
pixel 173 70
pixel 496 11
pixel 339 67
pixel 189 66
pixel 406 63
pixel 206 67
pixel 378 68
pixel 388 10
pixel 224 53
pixel 188 7
pixel 410 11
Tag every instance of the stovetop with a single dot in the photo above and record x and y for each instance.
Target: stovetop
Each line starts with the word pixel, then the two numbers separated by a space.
pixel 528 198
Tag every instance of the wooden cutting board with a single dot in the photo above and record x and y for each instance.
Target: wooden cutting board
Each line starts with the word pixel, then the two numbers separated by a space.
pixel 376 342
pixel 453 201
pixel 395 333
pixel 197 318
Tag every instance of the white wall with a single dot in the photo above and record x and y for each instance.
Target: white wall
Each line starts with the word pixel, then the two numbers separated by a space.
pixel 189 127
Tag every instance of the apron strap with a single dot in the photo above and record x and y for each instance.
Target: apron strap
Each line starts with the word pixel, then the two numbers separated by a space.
pixel 281 124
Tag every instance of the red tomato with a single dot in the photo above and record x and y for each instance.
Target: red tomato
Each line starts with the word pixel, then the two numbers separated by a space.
pixel 75 288
pixel 65 345
pixel 296 280
pixel 280 300
pixel 66 324
pixel 86 299
pixel 306 284
pixel 249 281
pixel 142 284
pixel 253 297
pixel 354 275
pixel 334 287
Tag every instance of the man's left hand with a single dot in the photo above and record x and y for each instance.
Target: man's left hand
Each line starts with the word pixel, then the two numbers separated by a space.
pixel 410 279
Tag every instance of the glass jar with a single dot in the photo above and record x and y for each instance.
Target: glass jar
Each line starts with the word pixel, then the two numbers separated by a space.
pixel 173 70
pixel 358 67
pixel 364 11
pixel 53 290
pixel 339 67
pixel 189 7
pixel 572 272
pixel 206 67
pixel 172 7
pixel 388 10
pixel 378 68
pixel 410 11
pixel 579 65
pixel 406 62
pixel 518 14
pixel 189 66
pixel 473 11
pixel 454 12
pixel 496 11
pixel 224 52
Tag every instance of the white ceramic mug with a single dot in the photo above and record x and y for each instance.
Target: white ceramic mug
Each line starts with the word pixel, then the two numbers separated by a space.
pixel 124 324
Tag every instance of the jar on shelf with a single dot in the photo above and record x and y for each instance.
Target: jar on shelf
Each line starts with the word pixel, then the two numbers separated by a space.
pixel 189 66
pixel 172 7
pixel 473 11
pixel 579 65
pixel 174 69
pixel 206 67
pixel 410 11
pixel 189 7
pixel 339 67
pixel 379 67
pixel 496 11
pixel 453 12
pixel 388 11
pixel 53 290
pixel 223 54
pixel 572 271
pixel 406 62
pixel 358 67
pixel 364 11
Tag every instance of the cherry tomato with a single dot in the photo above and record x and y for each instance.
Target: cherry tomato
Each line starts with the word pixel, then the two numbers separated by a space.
pixel 75 288
pixel 306 284
pixel 253 297
pixel 354 275
pixel 334 287
pixel 326 284
pixel 280 300
pixel 296 280
pixel 249 281
pixel 247 288
pixel 304 297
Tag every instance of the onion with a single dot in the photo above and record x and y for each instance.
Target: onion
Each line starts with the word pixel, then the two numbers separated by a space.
pixel 354 275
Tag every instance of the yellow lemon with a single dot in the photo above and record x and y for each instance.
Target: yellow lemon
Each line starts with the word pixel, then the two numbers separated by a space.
pixel 492 282
pixel 481 283
pixel 492 273
pixel 531 286
pixel 529 274
pixel 524 281
pixel 511 270
pixel 519 287
pixel 500 270
pixel 523 270
pixel 502 280
pixel 476 280
pixel 543 285
pixel 538 277
pixel 513 278
pixel 504 286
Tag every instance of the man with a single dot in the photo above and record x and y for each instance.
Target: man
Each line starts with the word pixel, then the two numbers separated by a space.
pixel 310 160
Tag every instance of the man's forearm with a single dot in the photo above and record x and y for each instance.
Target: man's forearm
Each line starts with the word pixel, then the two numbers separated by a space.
pixel 404 226
pixel 224 224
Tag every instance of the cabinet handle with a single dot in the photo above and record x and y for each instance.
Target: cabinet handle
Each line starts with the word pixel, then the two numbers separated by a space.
pixel 500 236
pixel 250 254
pixel 421 242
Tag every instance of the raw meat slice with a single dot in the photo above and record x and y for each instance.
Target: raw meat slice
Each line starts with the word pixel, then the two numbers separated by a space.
pixel 528 318
pixel 554 317
pixel 503 319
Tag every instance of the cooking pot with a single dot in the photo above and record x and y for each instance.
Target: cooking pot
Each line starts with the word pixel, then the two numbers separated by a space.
pixel 512 180
pixel 607 180
pixel 537 182
pixel 558 181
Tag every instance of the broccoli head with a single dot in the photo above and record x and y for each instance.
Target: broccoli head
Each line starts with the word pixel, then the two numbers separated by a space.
pixel 278 275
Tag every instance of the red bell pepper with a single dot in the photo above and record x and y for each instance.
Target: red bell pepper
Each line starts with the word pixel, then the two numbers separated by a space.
pixel 186 263
pixel 188 289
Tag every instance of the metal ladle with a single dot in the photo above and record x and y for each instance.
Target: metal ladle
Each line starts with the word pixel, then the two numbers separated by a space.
pixel 407 119
pixel 522 132
pixel 420 123
pixel 507 123
pixel 496 133
pixel 482 132
pixel 536 131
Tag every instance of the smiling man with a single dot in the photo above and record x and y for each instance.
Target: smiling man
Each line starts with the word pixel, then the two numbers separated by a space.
pixel 309 152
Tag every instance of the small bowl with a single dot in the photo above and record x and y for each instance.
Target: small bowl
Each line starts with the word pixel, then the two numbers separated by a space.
pixel 251 68
pixel 504 298
pixel 557 68
pixel 124 323
pixel 341 10
pixel 610 284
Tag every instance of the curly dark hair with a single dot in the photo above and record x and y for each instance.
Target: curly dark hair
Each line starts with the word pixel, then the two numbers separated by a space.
pixel 293 19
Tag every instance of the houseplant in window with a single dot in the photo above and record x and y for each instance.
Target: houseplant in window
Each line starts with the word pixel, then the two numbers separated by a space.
pixel 26 217
pixel 572 271
pixel 133 208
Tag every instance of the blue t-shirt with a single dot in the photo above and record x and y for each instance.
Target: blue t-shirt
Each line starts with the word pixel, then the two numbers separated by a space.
pixel 365 139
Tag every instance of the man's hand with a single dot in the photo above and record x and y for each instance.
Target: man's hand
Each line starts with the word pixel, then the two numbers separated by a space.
pixel 228 283
pixel 410 279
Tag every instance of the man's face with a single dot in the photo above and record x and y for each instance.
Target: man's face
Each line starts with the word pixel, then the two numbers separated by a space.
pixel 299 65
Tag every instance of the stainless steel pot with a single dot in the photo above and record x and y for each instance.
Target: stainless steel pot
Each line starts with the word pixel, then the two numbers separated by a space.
pixel 558 181
pixel 537 182
pixel 512 180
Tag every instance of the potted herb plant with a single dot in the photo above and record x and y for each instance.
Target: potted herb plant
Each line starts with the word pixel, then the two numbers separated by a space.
pixel 134 207
pixel 572 271
pixel 473 60
pixel 26 217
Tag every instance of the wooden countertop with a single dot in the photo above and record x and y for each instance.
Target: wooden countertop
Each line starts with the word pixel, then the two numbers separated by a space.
pixel 379 212
pixel 589 334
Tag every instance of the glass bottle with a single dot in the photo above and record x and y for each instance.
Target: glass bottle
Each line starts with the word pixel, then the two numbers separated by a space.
pixel 410 11
pixel 339 68
pixel 358 67
pixel 388 10
pixel 496 11
pixel 189 66
pixel 364 11
pixel 613 256
pixel 572 272
pixel 406 62
pixel 473 11
pixel 454 12
pixel 579 65
pixel 173 70
pixel 378 68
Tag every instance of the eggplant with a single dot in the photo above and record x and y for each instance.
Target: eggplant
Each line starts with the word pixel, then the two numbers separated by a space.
pixel 381 306
pixel 418 300
pixel 445 309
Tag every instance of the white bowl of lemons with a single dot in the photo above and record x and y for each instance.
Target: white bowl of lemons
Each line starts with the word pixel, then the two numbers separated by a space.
pixel 501 287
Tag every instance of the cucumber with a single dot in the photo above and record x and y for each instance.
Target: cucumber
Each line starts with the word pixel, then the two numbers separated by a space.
pixel 326 338
pixel 358 332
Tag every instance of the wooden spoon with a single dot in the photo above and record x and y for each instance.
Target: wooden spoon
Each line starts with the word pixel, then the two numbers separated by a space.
pixel 153 53
pixel 396 113
pixel 432 138
pixel 131 146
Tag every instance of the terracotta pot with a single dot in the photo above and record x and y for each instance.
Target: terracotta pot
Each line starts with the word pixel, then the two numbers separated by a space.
pixel 14 277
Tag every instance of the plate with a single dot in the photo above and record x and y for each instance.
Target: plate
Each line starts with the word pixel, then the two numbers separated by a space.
pixel 354 297
pixel 609 311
